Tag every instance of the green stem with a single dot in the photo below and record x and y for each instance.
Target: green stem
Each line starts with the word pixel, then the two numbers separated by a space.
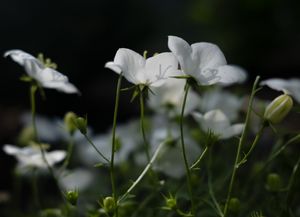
pixel 96 149
pixel 33 90
pixel 35 189
pixel 196 164
pixel 143 124
pixel 291 181
pixel 257 138
pixel 113 148
pixel 188 172
pixel 240 145
pixel 69 154
pixel 146 169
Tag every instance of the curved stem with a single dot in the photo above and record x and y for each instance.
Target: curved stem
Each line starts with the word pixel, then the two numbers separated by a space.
pixel 113 147
pixel 143 124
pixel 147 168
pixel 240 145
pixel 96 149
pixel 196 164
pixel 69 154
pixel 188 172
pixel 291 180
pixel 33 90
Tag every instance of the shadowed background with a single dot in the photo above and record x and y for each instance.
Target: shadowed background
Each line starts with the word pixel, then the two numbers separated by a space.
pixel 80 36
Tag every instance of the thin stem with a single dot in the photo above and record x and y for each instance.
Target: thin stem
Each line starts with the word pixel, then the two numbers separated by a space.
pixel 147 168
pixel 188 172
pixel 143 124
pixel 196 164
pixel 240 145
pixel 257 138
pixel 35 189
pixel 94 146
pixel 69 154
pixel 33 90
pixel 291 180
pixel 113 147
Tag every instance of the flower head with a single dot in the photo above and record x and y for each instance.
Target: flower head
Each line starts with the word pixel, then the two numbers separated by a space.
pixel 138 70
pixel 205 62
pixel 31 156
pixel 45 76
pixel 289 87
pixel 217 122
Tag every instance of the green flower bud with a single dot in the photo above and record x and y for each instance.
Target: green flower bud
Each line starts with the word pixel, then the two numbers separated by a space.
pixel 274 182
pixel 109 204
pixel 278 108
pixel 26 136
pixel 171 203
pixel 70 120
pixel 81 124
pixel 72 197
pixel 234 205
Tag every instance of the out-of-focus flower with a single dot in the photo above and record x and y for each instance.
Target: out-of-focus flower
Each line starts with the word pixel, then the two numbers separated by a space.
pixel 169 97
pixel 205 62
pixel 217 122
pixel 45 76
pixel 128 139
pixel 30 156
pixel 151 72
pixel 289 86
pixel 76 179
pixel 218 98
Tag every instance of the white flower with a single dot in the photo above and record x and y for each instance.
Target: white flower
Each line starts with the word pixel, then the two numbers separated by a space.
pixel 138 70
pixel 171 95
pixel 79 179
pixel 220 99
pixel 289 86
pixel 205 62
pixel 217 122
pixel 32 157
pixel 45 76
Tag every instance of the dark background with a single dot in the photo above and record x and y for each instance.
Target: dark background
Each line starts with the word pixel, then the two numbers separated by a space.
pixel 80 36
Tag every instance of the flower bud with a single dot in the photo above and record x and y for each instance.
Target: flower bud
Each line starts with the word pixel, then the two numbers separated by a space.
pixel 70 120
pixel 234 205
pixel 278 108
pixel 109 204
pixel 81 124
pixel 72 197
pixel 26 136
pixel 274 182
pixel 171 203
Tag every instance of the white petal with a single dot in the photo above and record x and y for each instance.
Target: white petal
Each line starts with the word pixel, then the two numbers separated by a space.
pixel 54 157
pixel 183 51
pixel 65 87
pixel 291 86
pixel 207 55
pixel 228 74
pixel 11 149
pixel 233 130
pixel 162 64
pixel 19 56
pixel 130 63
pixel 114 67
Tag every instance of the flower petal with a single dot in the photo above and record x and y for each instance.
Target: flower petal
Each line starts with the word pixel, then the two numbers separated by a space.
pixel 207 55
pixel 233 130
pixel 183 51
pixel 114 67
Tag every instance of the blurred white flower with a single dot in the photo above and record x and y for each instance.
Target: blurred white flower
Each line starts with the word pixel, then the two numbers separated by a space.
pixel 170 95
pixel 78 179
pixel 205 62
pixel 169 161
pixel 47 77
pixel 218 98
pixel 128 138
pixel 289 86
pixel 138 70
pixel 217 122
pixel 30 156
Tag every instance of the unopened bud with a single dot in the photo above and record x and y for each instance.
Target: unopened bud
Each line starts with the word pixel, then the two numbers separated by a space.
pixel 81 124
pixel 26 136
pixel 109 204
pixel 171 203
pixel 278 108
pixel 72 197
pixel 70 121
pixel 274 182
pixel 234 205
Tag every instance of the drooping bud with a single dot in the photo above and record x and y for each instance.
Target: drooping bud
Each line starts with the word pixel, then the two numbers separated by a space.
pixel 274 182
pixel 234 205
pixel 72 197
pixel 278 109
pixel 70 122
pixel 81 124
pixel 109 204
